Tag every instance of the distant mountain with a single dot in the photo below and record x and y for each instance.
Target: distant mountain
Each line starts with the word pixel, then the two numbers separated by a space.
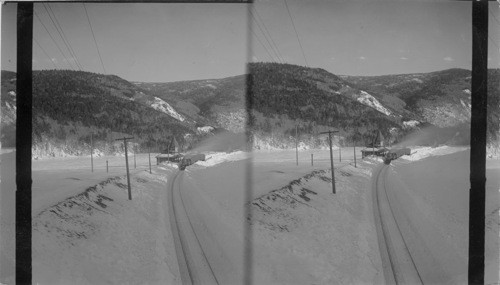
pixel 215 102
pixel 441 98
pixel 314 100
pixel 70 105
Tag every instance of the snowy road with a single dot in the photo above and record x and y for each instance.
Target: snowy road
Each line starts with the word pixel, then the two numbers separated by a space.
pixel 399 266
pixel 193 263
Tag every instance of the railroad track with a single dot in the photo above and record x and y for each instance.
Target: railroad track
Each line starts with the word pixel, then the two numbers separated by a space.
pixel 194 266
pixel 399 266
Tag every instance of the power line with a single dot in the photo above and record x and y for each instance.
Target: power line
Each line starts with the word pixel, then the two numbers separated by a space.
pixel 55 42
pixel 498 22
pixel 55 66
pixel 265 36
pixel 272 41
pixel 61 33
pixel 267 51
pixel 298 39
pixel 93 36
pixel 493 42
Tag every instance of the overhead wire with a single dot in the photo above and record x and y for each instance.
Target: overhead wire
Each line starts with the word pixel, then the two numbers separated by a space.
pixel 493 15
pixel 267 51
pixel 46 54
pixel 93 36
pixel 60 35
pixel 55 42
pixel 269 34
pixel 296 34
pixel 265 36
pixel 60 30
pixel 498 22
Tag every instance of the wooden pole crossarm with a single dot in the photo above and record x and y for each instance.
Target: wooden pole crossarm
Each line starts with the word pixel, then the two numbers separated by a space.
pixel 124 139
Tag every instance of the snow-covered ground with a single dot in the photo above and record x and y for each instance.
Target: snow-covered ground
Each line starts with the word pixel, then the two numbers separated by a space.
pixel 304 234
pixel 86 231
pixel 88 238
pixel 433 192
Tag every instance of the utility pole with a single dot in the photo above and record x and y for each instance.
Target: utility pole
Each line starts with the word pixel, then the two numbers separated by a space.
pixel 296 145
pixel 135 165
pixel 355 154
pixel 126 165
pixel 92 151
pixel 331 157
pixel 477 194
pixel 149 154
pixel 340 152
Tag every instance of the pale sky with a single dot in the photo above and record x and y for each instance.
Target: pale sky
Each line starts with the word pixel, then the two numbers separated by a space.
pixel 174 41
pixel 139 41
pixel 359 37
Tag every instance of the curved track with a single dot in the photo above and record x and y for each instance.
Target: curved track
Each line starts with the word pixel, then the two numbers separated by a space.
pixel 193 263
pixel 399 266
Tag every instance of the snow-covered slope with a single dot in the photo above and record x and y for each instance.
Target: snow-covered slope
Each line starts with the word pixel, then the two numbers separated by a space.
pixel 371 101
pixel 164 107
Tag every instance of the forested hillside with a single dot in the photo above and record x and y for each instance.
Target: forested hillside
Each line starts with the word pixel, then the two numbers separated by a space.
pixel 441 98
pixel 436 105
pixel 217 102
pixel 287 95
pixel 70 105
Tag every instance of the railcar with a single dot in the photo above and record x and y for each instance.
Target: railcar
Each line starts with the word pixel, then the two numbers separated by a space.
pixel 396 153
pixel 189 159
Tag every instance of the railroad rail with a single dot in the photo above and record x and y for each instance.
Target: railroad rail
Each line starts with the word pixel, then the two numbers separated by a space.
pixel 399 266
pixel 194 266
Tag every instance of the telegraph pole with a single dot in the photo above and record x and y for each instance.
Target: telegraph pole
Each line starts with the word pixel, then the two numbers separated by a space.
pixel 355 154
pixel 126 164
pixel 149 154
pixel 477 194
pixel 340 153
pixel 296 145
pixel 331 157
pixel 92 151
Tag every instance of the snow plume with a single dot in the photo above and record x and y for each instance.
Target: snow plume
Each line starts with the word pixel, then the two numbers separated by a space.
pixel 434 136
pixel 223 141
pixel 164 107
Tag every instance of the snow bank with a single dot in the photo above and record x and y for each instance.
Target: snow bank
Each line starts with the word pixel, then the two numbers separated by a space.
pixel 304 234
pixel 99 236
pixel 85 230
pixel 205 129
pixel 410 124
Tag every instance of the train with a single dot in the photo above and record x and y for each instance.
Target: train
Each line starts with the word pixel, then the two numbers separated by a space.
pixel 395 153
pixel 189 159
